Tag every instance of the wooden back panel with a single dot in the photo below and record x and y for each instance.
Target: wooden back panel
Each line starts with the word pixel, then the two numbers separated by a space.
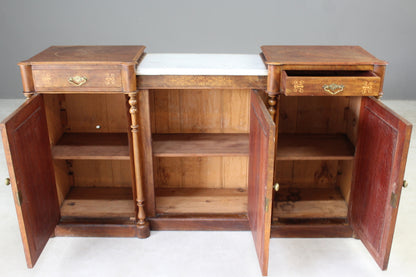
pixel 313 115
pixel 383 142
pixel 199 111
pixel 28 154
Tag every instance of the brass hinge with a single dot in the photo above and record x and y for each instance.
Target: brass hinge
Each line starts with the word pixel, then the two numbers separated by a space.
pixel 266 204
pixel 393 200
pixel 19 198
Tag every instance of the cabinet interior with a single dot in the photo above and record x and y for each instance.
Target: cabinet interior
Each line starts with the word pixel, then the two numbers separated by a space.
pixel 90 147
pixel 315 153
pixel 200 150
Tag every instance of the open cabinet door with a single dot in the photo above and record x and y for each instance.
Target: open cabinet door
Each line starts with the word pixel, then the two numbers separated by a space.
pixel 28 154
pixel 382 146
pixel 260 177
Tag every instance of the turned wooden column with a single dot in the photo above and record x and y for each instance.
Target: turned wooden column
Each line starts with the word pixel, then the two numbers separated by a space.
pixel 143 230
pixel 272 105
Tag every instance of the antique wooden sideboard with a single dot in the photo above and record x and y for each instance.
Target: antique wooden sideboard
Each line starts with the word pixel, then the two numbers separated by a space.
pixel 289 143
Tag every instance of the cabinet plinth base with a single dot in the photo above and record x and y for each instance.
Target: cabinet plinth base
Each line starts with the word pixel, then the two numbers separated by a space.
pixel 311 231
pixel 143 230
pixel 95 230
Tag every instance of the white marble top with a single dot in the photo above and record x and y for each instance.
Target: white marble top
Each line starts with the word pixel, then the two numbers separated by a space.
pixel 202 64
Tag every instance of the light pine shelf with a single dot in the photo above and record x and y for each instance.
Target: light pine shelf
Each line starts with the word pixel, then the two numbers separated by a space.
pixel 192 145
pixel 98 203
pixel 309 203
pixel 92 146
pixel 201 201
pixel 314 147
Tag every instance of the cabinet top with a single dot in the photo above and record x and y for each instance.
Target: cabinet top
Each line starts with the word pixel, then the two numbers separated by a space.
pixel 202 64
pixel 88 54
pixel 318 55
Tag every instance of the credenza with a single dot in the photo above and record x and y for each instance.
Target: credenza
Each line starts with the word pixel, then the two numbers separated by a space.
pixel 294 142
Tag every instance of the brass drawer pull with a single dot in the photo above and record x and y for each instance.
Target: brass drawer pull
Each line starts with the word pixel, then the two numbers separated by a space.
pixel 77 80
pixel 333 88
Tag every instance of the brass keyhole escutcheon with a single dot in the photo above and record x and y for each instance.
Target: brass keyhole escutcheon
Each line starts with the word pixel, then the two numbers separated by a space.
pixel 7 182
pixel 333 88
pixel 276 187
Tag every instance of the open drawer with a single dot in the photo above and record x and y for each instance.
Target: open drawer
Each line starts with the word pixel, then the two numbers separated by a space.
pixel 327 83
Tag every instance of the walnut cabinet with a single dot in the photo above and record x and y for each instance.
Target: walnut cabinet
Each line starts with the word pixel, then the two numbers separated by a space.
pixel 303 150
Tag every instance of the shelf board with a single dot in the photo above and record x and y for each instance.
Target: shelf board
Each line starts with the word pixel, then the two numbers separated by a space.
pixel 92 146
pixel 201 201
pixel 309 203
pixel 192 145
pixel 314 147
pixel 98 203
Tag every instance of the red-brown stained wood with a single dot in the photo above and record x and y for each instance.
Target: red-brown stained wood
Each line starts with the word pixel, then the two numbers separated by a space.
pixel 200 82
pixel 88 54
pixel 145 134
pixel 198 222
pixel 383 142
pixel 330 230
pixel 312 55
pixel 81 69
pixel 95 230
pixel 27 78
pixel 29 159
pixel 260 177
pixel 318 83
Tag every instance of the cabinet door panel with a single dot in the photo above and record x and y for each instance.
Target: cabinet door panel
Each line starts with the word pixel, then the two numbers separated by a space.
pixel 28 154
pixel 381 153
pixel 260 177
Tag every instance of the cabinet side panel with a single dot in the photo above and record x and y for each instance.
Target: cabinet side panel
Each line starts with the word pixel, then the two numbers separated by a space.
pixel 353 117
pixel 54 105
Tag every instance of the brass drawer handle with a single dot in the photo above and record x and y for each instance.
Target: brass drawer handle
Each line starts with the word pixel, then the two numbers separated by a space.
pixel 333 88
pixel 7 181
pixel 77 80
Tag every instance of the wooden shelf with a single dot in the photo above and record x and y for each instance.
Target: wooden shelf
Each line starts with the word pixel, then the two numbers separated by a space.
pixel 201 201
pixel 192 145
pixel 98 203
pixel 314 147
pixel 92 146
pixel 309 203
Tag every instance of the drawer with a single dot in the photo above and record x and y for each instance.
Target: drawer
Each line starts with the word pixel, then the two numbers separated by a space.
pixel 77 78
pixel 342 83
